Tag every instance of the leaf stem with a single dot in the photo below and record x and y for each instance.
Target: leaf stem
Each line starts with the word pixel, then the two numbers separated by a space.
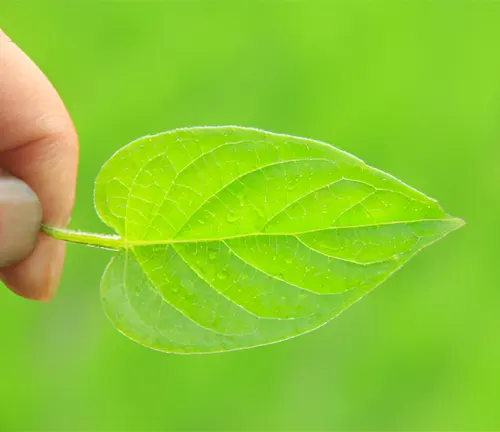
pixel 90 239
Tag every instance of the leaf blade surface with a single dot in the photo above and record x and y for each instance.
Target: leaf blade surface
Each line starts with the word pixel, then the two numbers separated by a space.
pixel 235 237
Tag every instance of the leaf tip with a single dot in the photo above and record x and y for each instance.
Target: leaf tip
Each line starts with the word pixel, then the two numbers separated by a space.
pixel 459 222
pixel 455 223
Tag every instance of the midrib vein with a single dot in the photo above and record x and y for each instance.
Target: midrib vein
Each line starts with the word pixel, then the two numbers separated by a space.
pixel 117 242
pixel 134 243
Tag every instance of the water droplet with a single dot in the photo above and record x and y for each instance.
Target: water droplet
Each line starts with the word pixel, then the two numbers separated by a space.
pixel 260 212
pixel 201 221
pixel 212 255
pixel 223 274
pixel 232 217
pixel 289 261
pixel 242 196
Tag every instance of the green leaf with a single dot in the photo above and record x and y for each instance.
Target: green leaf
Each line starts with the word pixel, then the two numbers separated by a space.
pixel 233 237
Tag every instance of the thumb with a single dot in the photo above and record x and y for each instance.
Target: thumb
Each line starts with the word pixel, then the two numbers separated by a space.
pixel 20 219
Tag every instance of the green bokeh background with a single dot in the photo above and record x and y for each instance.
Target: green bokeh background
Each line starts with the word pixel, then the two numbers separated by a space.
pixel 411 87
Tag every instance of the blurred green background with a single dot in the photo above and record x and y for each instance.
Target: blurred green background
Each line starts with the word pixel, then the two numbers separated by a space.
pixel 411 87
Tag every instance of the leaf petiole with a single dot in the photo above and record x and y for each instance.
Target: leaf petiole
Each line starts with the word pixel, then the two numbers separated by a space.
pixel 90 239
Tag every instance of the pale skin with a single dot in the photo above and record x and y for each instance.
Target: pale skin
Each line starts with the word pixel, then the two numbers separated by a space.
pixel 38 146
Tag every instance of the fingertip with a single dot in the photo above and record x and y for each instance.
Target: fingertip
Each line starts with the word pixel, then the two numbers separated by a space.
pixel 38 145
pixel 37 277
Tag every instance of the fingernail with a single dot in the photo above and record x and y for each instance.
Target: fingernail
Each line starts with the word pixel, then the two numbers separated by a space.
pixel 20 220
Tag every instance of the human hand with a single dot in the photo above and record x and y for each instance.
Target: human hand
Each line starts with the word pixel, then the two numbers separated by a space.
pixel 38 146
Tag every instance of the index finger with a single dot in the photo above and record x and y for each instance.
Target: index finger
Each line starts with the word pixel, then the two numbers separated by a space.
pixel 38 144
